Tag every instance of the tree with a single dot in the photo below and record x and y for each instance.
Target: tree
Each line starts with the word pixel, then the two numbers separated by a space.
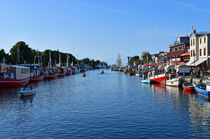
pixel 136 59
pixel 145 56
pixel 3 55
pixel 119 61
pixel 25 53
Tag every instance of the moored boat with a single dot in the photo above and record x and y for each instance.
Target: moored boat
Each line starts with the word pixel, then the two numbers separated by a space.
pixel 173 82
pixel 146 81
pixel 188 86
pixel 13 76
pixel 36 78
pixel 61 72
pixel 161 78
pixel 201 90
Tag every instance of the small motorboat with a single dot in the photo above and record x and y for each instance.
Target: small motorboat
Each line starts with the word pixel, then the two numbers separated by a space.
pixel 188 86
pixel 146 81
pixel 137 75
pixel 201 90
pixel 26 92
pixel 83 75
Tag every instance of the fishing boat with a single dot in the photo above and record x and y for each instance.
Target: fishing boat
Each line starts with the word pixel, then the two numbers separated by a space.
pixel 61 71
pixel 188 86
pixel 50 72
pixel 68 72
pixel 161 78
pixel 202 91
pixel 13 75
pixel 36 72
pixel 146 81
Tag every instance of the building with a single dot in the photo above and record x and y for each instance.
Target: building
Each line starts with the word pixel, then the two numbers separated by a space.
pixel 180 46
pixel 199 50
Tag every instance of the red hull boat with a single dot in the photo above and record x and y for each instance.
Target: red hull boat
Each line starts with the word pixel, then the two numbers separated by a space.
pixel 161 78
pixel 61 74
pixel 36 79
pixel 68 73
pixel 50 76
pixel 188 86
pixel 13 82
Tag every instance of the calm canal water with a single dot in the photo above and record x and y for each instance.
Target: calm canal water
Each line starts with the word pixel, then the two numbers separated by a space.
pixel 112 105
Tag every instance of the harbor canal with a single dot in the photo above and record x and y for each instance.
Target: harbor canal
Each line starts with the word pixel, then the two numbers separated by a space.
pixel 109 105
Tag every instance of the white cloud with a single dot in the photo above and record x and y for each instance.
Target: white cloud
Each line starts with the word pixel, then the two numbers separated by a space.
pixel 191 6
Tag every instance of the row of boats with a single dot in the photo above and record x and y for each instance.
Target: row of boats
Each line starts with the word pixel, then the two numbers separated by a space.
pixel 169 75
pixel 166 79
pixel 18 75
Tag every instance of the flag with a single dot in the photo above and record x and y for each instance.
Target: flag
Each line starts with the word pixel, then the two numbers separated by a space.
pixel 192 28
pixel 58 65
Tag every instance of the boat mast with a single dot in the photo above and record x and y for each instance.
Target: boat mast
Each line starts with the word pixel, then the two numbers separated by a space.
pixel 60 59
pixel 50 60
pixel 18 56
pixel 67 60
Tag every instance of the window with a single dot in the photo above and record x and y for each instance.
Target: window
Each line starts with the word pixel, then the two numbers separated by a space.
pixel 193 41
pixel 205 40
pixel 191 53
pixel 200 40
pixel 190 42
pixel 200 52
pixel 204 51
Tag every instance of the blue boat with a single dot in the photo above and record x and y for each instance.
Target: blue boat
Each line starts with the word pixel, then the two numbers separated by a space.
pixel 201 90
pixel 146 81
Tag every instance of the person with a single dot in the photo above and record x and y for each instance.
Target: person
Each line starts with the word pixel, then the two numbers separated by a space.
pixel 191 77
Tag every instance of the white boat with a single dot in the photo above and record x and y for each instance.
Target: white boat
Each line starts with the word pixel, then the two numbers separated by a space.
pixel 83 75
pixel 26 92
pixel 137 75
pixel 175 82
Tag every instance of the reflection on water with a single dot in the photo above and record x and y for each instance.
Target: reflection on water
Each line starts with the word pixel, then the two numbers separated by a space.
pixel 110 105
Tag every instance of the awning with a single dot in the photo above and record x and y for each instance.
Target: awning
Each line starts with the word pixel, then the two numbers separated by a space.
pixel 185 54
pixel 199 62
pixel 190 63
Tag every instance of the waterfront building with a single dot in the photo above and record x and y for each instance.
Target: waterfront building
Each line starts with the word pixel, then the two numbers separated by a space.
pixel 180 46
pixel 199 50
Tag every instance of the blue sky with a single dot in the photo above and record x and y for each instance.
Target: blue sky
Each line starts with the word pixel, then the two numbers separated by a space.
pixel 100 29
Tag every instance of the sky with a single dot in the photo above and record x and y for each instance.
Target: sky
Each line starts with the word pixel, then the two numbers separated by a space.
pixel 100 29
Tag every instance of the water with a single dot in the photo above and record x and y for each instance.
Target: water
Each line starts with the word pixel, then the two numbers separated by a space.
pixel 110 105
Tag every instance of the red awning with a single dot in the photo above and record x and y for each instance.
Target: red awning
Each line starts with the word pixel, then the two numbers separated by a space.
pixel 187 53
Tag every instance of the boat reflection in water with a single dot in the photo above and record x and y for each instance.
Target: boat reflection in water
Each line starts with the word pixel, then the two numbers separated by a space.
pixel 199 116
pixel 158 88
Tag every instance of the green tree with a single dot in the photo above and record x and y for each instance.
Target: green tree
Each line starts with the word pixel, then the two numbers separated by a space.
pixel 145 57
pixel 136 59
pixel 25 53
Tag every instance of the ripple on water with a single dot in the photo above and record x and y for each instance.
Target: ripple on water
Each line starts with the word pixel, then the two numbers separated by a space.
pixel 112 105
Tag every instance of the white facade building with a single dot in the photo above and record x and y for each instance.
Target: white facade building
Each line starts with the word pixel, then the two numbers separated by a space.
pixel 199 50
